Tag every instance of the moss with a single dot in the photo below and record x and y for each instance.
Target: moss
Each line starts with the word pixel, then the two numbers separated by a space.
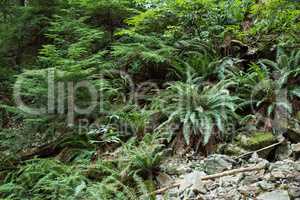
pixel 258 140
pixel 298 115
pixel 231 150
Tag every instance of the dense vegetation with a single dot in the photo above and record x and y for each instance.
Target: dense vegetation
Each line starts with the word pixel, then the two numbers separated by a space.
pixel 93 92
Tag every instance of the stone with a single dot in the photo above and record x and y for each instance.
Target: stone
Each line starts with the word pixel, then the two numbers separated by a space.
pixel 228 181
pixel 265 185
pixel 282 169
pixel 274 195
pixel 231 150
pixel 255 159
pixel 296 151
pixel 297 166
pixel 258 140
pixel 218 163
pixel 183 169
pixel 294 192
pixel 249 179
pixel 193 182
pixel 283 151
pixel 293 134
pixel 163 179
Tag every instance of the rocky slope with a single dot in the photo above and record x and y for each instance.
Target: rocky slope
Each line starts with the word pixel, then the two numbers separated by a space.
pixel 279 180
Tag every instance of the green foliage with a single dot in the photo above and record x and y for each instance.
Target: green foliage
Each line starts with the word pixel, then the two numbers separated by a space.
pixel 114 47
pixel 118 179
pixel 46 179
pixel 266 85
pixel 285 21
pixel 140 52
pixel 200 109
pixel 145 157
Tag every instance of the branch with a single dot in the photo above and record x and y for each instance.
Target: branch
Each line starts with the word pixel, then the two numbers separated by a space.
pixel 260 150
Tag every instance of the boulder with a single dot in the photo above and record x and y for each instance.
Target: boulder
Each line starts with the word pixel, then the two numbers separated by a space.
pixel 218 163
pixel 275 195
pixel 256 141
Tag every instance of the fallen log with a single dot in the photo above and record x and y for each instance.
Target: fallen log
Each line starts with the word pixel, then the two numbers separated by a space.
pixel 214 176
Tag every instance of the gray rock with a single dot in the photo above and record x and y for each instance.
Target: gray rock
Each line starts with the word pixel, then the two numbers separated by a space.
pixel 275 195
pixel 297 166
pixel 294 192
pixel 265 185
pixel 282 169
pixel 283 151
pixel 193 182
pixel 163 179
pixel 296 151
pixel 183 169
pixel 248 190
pixel 218 163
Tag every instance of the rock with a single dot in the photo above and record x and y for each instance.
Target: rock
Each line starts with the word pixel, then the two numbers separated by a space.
pixel 265 185
pixel 296 151
pixel 294 191
pixel 283 151
pixel 218 163
pixel 229 181
pixel 163 179
pixel 297 166
pixel 251 178
pixel 255 159
pixel 193 182
pixel 248 190
pixel 211 185
pixel 293 134
pixel 275 195
pixel 256 141
pixel 282 169
pixel 231 150
pixel 183 169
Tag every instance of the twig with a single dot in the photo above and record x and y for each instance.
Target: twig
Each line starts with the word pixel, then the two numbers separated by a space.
pixel 214 176
pixel 260 150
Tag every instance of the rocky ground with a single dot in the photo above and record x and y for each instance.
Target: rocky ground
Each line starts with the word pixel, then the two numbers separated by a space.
pixel 279 180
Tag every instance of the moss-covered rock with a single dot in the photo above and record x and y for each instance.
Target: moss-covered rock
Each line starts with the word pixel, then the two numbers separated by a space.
pixel 257 140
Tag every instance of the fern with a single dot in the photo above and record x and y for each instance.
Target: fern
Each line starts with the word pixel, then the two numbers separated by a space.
pixel 200 109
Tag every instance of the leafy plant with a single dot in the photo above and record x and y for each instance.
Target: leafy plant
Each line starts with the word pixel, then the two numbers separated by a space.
pixel 201 109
